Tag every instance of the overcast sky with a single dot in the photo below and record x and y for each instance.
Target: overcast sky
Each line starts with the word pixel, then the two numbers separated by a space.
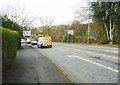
pixel 62 11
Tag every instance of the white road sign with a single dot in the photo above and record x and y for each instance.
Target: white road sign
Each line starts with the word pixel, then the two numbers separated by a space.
pixel 70 32
pixel 26 33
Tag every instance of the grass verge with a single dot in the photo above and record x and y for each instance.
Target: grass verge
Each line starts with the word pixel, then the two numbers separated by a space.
pixel 64 77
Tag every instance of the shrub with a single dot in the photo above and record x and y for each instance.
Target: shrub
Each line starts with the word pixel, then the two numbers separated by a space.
pixel 92 40
pixel 10 24
pixel 80 39
pixel 103 40
pixel 9 48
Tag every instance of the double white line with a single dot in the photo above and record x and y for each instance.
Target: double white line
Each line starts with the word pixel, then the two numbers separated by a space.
pixel 109 68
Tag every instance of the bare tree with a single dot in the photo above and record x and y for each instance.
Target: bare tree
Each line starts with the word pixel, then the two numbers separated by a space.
pixel 17 14
pixel 47 23
pixel 83 13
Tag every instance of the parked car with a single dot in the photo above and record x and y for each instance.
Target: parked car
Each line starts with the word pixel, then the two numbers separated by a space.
pixel 34 42
pixel 28 41
pixel 23 41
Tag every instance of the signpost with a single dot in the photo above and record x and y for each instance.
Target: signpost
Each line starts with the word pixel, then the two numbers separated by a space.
pixel 70 32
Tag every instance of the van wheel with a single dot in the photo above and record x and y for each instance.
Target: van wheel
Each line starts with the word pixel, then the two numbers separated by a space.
pixel 51 46
pixel 41 46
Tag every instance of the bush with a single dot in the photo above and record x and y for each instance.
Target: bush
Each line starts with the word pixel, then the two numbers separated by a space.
pixel 103 40
pixel 92 40
pixel 10 24
pixel 79 39
pixel 9 48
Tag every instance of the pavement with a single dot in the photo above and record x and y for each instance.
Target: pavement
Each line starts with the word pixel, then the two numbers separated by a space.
pixel 33 67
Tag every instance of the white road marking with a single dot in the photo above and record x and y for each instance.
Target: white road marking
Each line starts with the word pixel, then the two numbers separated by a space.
pixel 108 56
pixel 111 51
pixel 104 55
pixel 74 56
pixel 69 56
pixel 99 54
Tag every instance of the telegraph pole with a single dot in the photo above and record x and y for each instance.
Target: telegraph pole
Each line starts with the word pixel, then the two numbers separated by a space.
pixel 88 41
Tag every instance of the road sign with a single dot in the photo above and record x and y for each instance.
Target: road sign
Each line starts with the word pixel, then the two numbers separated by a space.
pixel 26 33
pixel 70 32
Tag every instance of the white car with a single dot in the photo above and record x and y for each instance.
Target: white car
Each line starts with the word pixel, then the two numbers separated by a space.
pixel 34 42
pixel 23 41
pixel 28 41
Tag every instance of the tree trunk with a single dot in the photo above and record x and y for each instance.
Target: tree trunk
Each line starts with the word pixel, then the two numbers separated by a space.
pixel 111 32
pixel 107 31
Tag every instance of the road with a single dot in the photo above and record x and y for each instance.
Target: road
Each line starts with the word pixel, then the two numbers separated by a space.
pixel 83 63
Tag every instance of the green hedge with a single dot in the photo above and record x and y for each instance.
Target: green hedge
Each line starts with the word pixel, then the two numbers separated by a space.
pixel 9 48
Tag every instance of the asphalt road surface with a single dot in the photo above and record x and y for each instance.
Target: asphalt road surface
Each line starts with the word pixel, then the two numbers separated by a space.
pixel 84 64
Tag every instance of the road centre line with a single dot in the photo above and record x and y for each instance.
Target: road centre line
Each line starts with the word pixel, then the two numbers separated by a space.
pixel 74 56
